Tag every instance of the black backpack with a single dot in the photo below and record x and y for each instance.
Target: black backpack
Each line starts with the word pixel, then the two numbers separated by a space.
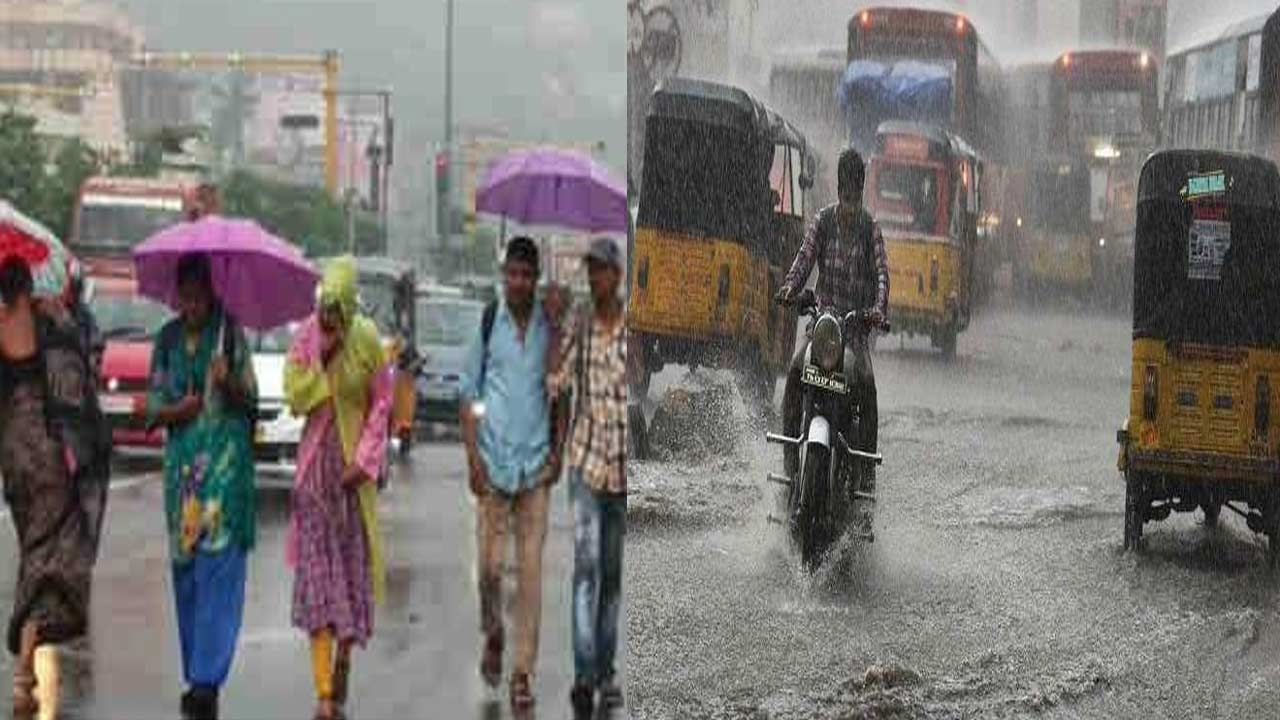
pixel 486 332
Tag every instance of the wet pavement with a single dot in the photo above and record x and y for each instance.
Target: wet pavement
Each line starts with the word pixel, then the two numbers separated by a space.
pixel 421 663
pixel 996 586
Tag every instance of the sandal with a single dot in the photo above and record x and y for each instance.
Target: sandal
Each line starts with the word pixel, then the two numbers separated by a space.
pixel 326 710
pixel 491 661
pixel 610 694
pixel 24 697
pixel 521 691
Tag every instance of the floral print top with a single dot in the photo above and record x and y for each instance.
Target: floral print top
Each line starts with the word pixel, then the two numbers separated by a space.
pixel 210 502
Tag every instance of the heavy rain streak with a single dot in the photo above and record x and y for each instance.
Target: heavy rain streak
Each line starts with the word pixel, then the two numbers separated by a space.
pixel 979 422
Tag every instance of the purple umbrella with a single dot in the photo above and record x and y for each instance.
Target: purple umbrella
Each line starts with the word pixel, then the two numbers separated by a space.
pixel 550 187
pixel 263 281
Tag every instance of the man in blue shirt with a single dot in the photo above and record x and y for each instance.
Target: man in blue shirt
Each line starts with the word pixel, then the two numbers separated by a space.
pixel 506 427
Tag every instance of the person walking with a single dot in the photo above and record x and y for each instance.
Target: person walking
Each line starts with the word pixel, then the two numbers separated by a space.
pixel 204 393
pixel 506 424
pixel 337 376
pixel 591 364
pixel 55 451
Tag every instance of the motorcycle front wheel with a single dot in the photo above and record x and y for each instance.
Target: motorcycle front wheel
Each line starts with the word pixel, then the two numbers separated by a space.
pixel 809 527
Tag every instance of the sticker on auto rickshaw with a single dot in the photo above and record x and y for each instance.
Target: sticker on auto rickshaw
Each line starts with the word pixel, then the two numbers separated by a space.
pixel 1207 242
pixel 1205 184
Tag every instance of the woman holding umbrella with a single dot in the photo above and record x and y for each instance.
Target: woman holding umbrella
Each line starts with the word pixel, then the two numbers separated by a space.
pixel 204 393
pixel 338 376
pixel 54 456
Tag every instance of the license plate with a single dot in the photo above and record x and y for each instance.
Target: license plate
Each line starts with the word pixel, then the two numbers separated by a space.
pixel 116 404
pixel 815 377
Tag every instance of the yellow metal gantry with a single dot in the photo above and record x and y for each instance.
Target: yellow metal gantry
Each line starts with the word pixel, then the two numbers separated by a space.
pixel 325 65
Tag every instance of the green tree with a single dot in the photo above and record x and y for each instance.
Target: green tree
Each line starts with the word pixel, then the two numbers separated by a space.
pixel 22 163
pixel 74 163
pixel 303 215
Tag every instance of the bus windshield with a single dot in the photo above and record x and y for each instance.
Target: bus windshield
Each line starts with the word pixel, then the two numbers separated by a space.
pixel 1103 113
pixel 121 223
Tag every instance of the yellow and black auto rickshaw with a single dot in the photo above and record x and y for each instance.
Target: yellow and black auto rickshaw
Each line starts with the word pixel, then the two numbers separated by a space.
pixel 923 190
pixel 721 216
pixel 388 289
pixel 1206 344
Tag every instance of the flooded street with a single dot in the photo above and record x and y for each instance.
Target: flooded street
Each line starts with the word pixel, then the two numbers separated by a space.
pixel 996 586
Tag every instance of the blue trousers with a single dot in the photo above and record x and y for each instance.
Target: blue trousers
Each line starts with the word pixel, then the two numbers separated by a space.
pixel 599 525
pixel 209 593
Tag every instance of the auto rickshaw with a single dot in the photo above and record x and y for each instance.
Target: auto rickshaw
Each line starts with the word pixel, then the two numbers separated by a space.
pixel 720 218
pixel 923 189
pixel 1206 344
pixel 387 295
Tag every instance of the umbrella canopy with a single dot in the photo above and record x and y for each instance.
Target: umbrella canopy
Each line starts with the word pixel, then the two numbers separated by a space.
pixel 554 188
pixel 48 258
pixel 263 281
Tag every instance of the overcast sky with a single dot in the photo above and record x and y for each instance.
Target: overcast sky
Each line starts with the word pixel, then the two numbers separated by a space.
pixel 549 70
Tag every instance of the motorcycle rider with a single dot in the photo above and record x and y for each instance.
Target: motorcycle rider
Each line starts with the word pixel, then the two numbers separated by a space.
pixel 848 248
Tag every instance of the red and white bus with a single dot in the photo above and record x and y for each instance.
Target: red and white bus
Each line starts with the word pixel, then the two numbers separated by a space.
pixel 1078 162
pixel 112 215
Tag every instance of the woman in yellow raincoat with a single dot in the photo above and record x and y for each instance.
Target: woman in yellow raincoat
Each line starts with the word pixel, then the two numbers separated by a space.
pixel 339 377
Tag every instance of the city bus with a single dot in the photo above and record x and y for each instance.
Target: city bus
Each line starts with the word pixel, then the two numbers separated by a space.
pixel 1213 91
pixel 1099 124
pixel 921 66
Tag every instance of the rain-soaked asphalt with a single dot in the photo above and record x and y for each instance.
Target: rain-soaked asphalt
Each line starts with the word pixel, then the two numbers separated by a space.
pixel 996 586
pixel 421 663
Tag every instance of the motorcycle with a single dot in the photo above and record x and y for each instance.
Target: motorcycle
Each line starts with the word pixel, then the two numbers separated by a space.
pixel 834 487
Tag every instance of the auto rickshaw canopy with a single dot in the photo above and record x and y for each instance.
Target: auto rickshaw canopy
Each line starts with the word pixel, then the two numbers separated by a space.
pixel 1207 250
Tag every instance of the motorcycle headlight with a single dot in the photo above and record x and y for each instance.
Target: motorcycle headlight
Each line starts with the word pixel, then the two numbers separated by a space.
pixel 827 348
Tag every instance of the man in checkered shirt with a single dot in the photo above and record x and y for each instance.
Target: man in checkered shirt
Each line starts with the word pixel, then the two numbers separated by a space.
pixel 846 244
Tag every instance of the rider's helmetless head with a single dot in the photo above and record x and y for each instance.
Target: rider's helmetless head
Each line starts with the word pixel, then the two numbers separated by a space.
pixel 850 173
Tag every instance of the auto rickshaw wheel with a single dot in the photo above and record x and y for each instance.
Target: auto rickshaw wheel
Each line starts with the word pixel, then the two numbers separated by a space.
pixel 947 342
pixel 637 431
pixel 640 384
pixel 1134 510
pixel 1271 519
pixel 1211 512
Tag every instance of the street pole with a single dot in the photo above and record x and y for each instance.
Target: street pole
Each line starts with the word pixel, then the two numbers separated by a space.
pixel 444 221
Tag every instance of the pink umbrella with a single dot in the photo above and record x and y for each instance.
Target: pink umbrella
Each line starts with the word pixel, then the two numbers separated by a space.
pixel 261 280
pixel 555 188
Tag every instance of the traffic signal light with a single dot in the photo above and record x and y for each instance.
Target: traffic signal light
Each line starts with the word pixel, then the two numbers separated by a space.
pixel 442 194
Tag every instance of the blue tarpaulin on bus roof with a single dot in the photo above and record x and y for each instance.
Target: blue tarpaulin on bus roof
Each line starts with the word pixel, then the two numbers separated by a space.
pixel 902 90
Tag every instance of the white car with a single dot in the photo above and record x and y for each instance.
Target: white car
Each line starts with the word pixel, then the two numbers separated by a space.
pixel 279 432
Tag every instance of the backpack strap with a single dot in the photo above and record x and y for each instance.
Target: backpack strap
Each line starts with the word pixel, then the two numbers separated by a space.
pixel 486 331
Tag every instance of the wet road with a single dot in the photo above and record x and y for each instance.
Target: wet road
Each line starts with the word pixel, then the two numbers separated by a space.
pixel 996 586
pixel 421 662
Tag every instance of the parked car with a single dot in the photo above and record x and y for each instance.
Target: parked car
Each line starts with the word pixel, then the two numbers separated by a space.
pixel 279 432
pixel 447 321
pixel 129 323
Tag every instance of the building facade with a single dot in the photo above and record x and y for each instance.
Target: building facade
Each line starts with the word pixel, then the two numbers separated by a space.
pixel 61 60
